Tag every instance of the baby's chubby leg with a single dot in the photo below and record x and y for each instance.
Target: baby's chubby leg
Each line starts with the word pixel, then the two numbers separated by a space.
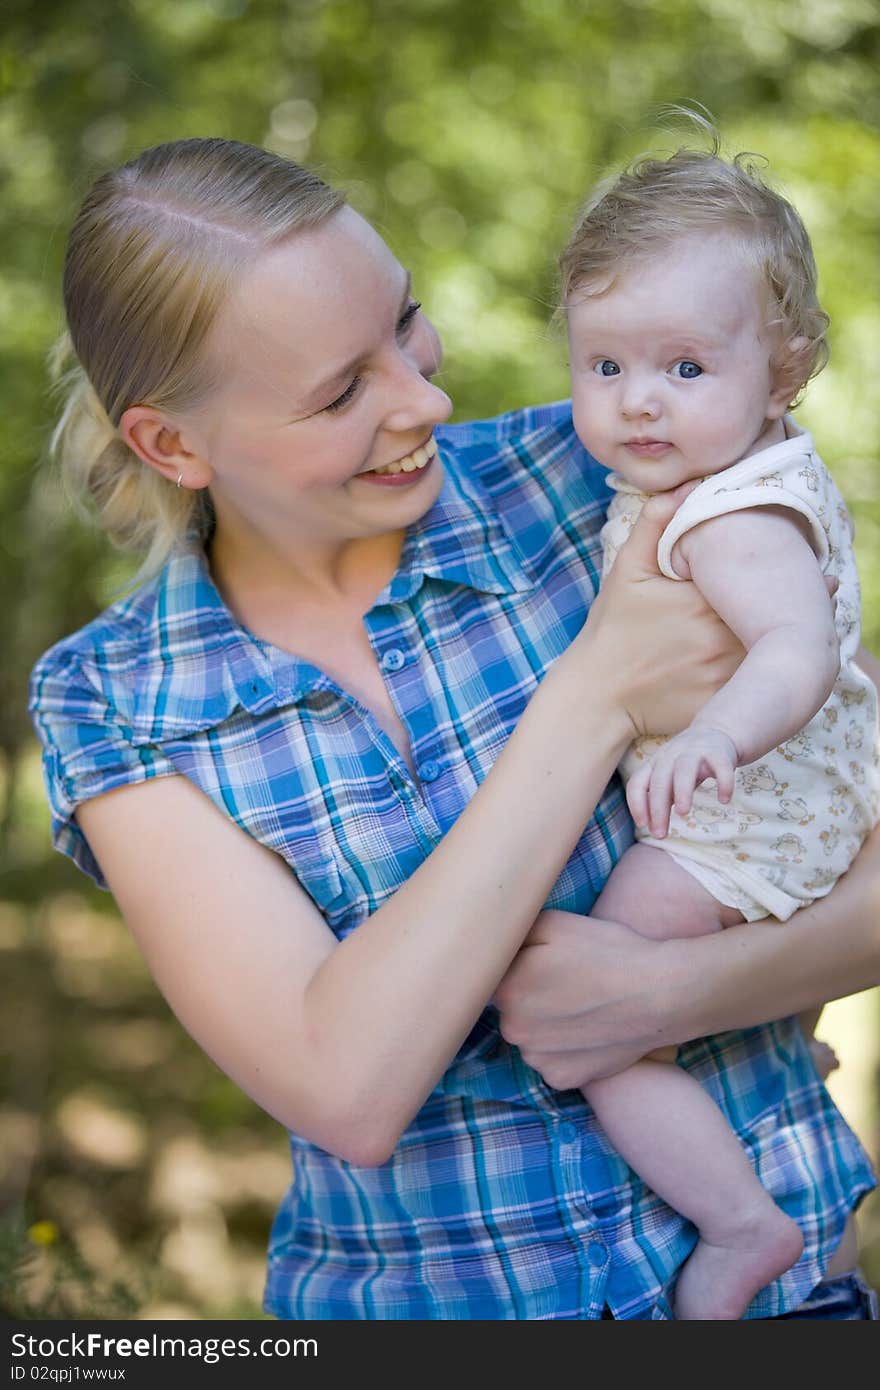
pixel 670 1130
pixel 655 896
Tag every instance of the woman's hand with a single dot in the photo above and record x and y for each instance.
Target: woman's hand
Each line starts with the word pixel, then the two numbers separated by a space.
pixel 583 999
pixel 666 650
pixel 658 641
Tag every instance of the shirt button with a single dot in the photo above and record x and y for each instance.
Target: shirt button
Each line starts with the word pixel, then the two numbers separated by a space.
pixel 429 771
pixel 393 659
pixel 568 1132
pixel 597 1252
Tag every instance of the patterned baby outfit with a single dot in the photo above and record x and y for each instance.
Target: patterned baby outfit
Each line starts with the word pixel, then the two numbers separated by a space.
pixel 799 815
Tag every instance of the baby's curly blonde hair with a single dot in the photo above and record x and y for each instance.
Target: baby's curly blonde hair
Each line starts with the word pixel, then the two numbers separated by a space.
pixel 656 201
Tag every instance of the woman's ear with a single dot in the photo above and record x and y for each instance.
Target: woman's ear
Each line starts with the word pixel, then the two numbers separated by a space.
pixel 162 444
pixel 790 369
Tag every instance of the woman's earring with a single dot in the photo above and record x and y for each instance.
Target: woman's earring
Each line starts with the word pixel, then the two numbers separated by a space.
pixel 179 479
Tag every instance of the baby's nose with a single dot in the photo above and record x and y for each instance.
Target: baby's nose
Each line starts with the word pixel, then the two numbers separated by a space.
pixel 640 399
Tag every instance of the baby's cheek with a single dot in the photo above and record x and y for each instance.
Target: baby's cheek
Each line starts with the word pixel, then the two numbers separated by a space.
pixel 591 414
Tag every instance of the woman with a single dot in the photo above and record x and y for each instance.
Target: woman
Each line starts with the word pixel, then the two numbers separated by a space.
pixel 371 656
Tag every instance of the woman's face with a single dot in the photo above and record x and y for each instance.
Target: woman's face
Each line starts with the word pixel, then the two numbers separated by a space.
pixel 326 388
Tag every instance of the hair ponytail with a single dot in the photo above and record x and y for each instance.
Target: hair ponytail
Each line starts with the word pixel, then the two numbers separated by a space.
pixel 132 503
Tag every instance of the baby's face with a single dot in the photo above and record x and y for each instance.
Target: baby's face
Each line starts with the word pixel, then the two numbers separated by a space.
pixel 670 367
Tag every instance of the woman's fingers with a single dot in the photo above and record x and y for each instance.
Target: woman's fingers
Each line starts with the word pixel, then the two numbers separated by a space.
pixel 639 554
pixel 566 1071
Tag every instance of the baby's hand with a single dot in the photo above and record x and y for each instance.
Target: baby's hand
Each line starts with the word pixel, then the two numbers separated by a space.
pixel 676 770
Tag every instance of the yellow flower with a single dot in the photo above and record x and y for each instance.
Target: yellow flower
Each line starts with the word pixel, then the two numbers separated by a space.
pixel 43 1232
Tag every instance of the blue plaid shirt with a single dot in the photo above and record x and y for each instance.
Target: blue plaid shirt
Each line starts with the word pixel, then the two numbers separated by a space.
pixel 503 1199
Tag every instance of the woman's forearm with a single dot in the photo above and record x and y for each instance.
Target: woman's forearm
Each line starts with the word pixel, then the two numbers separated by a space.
pixel 391 1005
pixel 759 971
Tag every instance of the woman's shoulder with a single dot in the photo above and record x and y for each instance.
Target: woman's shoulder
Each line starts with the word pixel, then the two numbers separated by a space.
pixel 115 655
pixel 111 641
pixel 87 695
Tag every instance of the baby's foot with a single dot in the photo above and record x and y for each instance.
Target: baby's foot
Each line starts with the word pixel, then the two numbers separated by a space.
pixel 722 1276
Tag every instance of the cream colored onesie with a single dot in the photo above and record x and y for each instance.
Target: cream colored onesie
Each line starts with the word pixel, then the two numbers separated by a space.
pixel 798 816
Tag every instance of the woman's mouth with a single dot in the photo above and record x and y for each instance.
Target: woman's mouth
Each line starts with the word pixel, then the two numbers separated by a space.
pixel 406 469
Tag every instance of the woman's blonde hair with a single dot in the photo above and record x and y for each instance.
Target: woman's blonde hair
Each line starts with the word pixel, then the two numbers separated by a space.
pixel 149 263
pixel 655 201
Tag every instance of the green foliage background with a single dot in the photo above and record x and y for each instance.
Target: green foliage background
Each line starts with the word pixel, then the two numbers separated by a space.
pixel 469 132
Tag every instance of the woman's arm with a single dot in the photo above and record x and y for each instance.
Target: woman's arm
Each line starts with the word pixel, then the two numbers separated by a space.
pixel 825 951
pixel 584 998
pixel 343 1042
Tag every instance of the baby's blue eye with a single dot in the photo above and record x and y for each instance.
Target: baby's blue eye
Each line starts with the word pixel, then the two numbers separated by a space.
pixel 687 371
pixel 606 367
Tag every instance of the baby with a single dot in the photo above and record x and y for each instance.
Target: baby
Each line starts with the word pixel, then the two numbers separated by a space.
pixel 690 294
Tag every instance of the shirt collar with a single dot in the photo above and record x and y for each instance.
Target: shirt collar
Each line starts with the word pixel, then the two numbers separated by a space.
pixel 196 664
pixel 460 540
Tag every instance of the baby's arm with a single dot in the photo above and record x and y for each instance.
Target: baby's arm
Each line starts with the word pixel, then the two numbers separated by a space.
pixel 760 574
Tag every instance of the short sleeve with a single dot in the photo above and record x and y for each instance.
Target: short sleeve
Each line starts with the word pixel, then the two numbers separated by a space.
pixel 87 749
pixel 791 481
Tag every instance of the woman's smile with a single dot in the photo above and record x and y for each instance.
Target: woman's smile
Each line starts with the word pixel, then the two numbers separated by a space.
pixel 408 469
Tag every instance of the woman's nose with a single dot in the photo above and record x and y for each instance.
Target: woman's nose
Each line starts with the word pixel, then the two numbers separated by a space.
pixel 414 399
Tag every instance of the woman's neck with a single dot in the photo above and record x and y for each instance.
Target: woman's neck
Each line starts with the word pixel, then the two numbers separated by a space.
pixel 257 574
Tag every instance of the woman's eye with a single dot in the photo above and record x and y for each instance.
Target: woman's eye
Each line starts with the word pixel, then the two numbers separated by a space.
pixel 605 367
pixel 347 395
pixel 407 316
pixel 687 370
pixel 403 324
